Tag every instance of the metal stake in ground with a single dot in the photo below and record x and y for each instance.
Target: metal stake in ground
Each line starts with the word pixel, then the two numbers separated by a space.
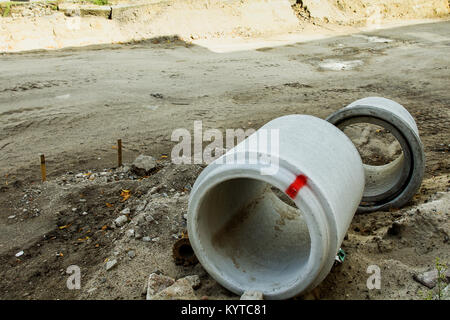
pixel 43 168
pixel 119 152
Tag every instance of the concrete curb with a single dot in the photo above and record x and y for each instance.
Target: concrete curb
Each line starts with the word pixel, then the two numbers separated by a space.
pixel 117 11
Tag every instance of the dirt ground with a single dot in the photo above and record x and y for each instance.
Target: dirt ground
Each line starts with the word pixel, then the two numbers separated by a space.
pixel 74 104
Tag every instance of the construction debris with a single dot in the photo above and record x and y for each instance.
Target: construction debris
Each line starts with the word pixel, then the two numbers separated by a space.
pixel 143 165
pixel 182 289
pixel 252 295
pixel 110 264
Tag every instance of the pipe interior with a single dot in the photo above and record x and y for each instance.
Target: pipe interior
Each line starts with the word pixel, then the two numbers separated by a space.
pixel 385 154
pixel 255 239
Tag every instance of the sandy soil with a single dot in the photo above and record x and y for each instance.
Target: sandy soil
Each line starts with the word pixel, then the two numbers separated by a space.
pixel 62 24
pixel 73 104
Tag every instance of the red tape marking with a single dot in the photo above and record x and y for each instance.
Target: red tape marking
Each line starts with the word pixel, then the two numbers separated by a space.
pixel 299 182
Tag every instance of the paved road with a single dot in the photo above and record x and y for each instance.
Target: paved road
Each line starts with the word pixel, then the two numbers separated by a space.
pixel 73 104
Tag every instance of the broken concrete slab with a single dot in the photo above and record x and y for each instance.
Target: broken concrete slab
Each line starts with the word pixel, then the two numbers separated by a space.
pixel 76 10
pixel 121 220
pixel 252 295
pixel 156 283
pixel 182 289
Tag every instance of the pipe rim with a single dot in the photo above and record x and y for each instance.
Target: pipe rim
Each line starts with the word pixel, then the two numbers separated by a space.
pixel 309 201
pixel 415 147
pixel 405 158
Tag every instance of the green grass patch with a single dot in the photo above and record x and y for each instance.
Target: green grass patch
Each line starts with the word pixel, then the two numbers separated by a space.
pixel 99 2
pixel 5 9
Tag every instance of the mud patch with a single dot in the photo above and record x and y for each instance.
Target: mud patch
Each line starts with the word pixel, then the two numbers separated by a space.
pixel 373 39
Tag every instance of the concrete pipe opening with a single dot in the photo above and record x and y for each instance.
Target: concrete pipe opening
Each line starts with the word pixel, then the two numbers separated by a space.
pixel 263 241
pixel 392 183
pixel 251 232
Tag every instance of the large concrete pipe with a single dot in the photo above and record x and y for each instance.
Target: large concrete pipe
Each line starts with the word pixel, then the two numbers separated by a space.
pixel 391 185
pixel 247 237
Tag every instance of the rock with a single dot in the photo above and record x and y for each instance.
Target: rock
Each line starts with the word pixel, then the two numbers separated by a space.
pixel 182 289
pixel 120 221
pixel 131 254
pixel 130 233
pixel 125 211
pixel 446 293
pixel 194 280
pixel 429 278
pixel 153 190
pixel 146 239
pixel 73 10
pixel 143 165
pixel 124 169
pixel 111 264
pixel 252 295
pixel 156 283
pixel 19 254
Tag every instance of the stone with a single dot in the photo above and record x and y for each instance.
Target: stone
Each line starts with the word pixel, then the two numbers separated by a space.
pixel 120 221
pixel 125 211
pixel 19 254
pixel 131 254
pixel 111 264
pixel 143 165
pixel 156 283
pixel 146 239
pixel 182 289
pixel 429 278
pixel 194 281
pixel 252 295
pixel 130 233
